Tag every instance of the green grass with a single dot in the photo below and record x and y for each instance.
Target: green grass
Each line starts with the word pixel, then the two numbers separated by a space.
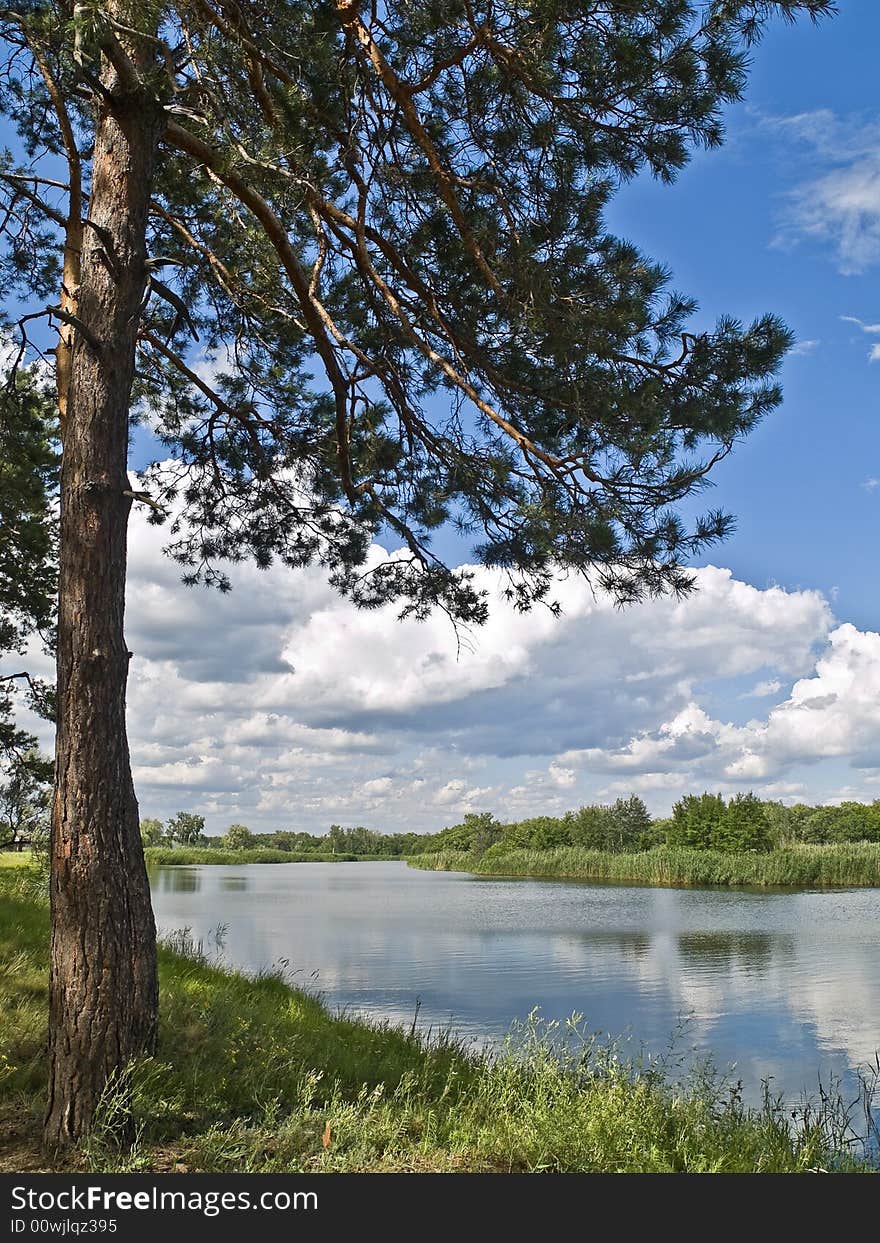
pixel 166 855
pixel 15 858
pixel 799 866
pixel 250 1073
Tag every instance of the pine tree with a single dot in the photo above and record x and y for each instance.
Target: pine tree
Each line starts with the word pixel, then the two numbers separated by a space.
pixel 28 545
pixel 407 201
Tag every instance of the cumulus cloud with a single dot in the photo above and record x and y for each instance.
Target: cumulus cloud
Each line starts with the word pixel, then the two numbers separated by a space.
pixel 840 203
pixel 832 714
pixel 281 705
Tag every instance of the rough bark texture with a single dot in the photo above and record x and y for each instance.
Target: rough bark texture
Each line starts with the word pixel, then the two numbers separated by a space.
pixel 103 988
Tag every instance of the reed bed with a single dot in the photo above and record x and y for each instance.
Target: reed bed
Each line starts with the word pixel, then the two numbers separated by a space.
pixel 166 856
pixel 796 866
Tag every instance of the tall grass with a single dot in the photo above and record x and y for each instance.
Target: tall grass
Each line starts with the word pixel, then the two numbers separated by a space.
pixel 167 855
pixel 800 866
pixel 254 1075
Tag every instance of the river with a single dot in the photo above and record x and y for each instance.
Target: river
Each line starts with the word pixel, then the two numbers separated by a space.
pixel 775 986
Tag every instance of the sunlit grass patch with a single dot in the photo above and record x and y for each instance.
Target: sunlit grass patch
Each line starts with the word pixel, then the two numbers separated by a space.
pixel 15 858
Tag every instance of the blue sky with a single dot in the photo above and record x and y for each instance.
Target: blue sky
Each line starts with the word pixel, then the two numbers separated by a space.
pixel 730 233
pixel 282 706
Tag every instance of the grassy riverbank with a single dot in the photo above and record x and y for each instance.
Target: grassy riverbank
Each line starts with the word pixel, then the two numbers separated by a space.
pixel 800 866
pixel 251 1073
pixel 172 856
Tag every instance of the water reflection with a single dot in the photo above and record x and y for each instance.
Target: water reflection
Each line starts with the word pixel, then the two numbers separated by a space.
pixel 782 985
pixel 175 880
pixel 755 951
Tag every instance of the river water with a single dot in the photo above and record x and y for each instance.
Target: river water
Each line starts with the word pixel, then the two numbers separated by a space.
pixel 776 986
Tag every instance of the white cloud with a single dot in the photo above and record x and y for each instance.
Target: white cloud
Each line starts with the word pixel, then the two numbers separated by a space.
pixel 280 705
pixel 839 205
pixel 565 778
pixel 872 330
pixel 832 714
pixel 836 711
pixel 452 792
pixel 461 796
pixel 762 690
pixel 802 348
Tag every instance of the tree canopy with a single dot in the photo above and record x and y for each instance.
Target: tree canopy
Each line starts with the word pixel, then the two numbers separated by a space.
pixel 28 546
pixel 186 828
pixel 382 295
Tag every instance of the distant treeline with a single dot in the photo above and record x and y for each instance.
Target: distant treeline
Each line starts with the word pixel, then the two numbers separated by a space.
pixel 158 856
pixel 698 822
pixel 744 823
pixel 187 830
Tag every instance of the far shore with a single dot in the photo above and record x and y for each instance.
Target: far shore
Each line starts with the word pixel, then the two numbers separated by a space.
pixel 791 867
pixel 164 856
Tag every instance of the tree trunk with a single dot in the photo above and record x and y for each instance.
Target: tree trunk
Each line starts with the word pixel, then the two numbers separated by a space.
pixel 103 984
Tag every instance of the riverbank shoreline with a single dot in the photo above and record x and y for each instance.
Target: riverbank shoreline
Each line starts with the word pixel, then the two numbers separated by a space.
pixel 254 1074
pixel 795 867
pixel 188 856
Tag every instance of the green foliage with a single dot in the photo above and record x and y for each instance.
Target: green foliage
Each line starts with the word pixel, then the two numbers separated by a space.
pixel 186 828
pixel 696 821
pixel 238 837
pixel 700 822
pixel 484 831
pixel 453 837
pixel 356 841
pixel 620 827
pixel 496 356
pixel 28 538
pixel 657 834
pixel 477 833
pixel 152 831
pixel 630 821
pixel 779 823
pixel 249 1072
pixel 849 822
pixel 25 799
pixel 590 827
pixel 743 826
pixel 28 479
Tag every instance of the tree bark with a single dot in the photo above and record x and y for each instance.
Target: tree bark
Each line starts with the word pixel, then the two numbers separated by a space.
pixel 103 983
